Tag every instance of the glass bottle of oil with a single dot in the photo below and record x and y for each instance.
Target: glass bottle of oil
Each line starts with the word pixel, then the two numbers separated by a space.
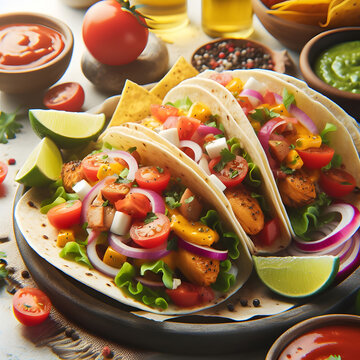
pixel 227 18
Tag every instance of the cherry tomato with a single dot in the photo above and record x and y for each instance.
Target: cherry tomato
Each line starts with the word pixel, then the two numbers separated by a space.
pixel 151 234
pixel 233 172
pixel 3 171
pixel 269 98
pixel 90 165
pixel 187 126
pixel 337 182
pixel 152 178
pixel 112 34
pixel 162 112
pixel 135 204
pixel 114 191
pixel 31 306
pixel 65 215
pixel 269 233
pixel 316 158
pixel 68 96
pixel 189 295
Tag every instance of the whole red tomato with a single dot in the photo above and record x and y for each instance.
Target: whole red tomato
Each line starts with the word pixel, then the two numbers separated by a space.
pixel 113 34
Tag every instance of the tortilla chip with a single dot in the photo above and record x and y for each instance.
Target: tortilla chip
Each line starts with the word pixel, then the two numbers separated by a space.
pixel 343 13
pixel 308 18
pixel 311 6
pixel 134 104
pixel 180 71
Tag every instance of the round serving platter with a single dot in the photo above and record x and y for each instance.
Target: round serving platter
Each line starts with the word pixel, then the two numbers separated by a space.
pixel 193 335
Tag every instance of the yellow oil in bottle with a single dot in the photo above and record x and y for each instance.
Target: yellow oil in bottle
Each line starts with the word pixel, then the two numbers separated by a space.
pixel 227 18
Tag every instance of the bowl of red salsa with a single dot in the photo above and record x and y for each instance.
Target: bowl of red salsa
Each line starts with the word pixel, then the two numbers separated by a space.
pixel 326 337
pixel 35 51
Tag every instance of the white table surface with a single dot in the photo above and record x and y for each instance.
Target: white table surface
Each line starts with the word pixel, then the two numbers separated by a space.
pixel 13 343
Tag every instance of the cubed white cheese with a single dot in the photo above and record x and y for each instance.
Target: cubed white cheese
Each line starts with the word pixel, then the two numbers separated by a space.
pixel 257 85
pixel 176 283
pixel 82 188
pixel 171 135
pixel 204 165
pixel 121 223
pixel 217 182
pixel 214 148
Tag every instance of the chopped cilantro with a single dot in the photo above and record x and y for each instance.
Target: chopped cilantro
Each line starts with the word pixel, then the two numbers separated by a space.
pixel 335 162
pixel 172 243
pixel 150 217
pixel 226 157
pixel 327 129
pixel 105 203
pixel 159 169
pixel 262 115
pixel 286 170
pixel 8 126
pixel 131 150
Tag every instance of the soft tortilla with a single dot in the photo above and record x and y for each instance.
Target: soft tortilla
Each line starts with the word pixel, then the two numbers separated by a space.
pixel 41 236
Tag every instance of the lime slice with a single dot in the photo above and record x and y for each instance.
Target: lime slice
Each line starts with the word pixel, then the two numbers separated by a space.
pixel 43 165
pixel 67 129
pixel 297 277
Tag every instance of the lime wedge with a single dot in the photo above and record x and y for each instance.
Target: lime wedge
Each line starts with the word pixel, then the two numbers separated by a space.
pixel 43 165
pixel 67 129
pixel 297 277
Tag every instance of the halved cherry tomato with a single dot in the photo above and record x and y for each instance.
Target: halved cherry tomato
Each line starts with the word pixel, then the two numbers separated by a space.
pixel 233 172
pixel 269 98
pixel 162 112
pixel 316 158
pixel 114 191
pixel 269 233
pixel 135 204
pixel 189 295
pixel 152 178
pixel 3 171
pixel 187 126
pixel 68 96
pixel 31 306
pixel 337 182
pixel 65 215
pixel 151 234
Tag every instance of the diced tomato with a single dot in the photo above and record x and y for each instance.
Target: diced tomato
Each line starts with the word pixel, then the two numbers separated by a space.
pixel 269 233
pixel 187 126
pixel 151 234
pixel 90 166
pixel 171 122
pixel 337 182
pixel 162 112
pixel 245 104
pixel 3 171
pixel 269 98
pixel 135 204
pixel 152 177
pixel 114 191
pixel 65 215
pixel 189 295
pixel 31 306
pixel 233 173
pixel 316 158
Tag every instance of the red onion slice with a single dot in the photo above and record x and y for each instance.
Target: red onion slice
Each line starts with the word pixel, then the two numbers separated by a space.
pixel 265 132
pixel 352 259
pixel 97 263
pixel 349 223
pixel 157 202
pixel 194 147
pixel 118 243
pixel 204 130
pixel 128 158
pixel 254 96
pixel 203 250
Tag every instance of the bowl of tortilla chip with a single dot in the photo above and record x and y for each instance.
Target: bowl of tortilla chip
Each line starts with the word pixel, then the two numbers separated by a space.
pixel 295 22
pixel 329 64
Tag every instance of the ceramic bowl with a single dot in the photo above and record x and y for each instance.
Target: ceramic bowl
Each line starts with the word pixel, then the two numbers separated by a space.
pixel 308 325
pixel 291 34
pixel 350 102
pixel 21 81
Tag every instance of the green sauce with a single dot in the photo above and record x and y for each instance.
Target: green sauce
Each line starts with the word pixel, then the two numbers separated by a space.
pixel 339 66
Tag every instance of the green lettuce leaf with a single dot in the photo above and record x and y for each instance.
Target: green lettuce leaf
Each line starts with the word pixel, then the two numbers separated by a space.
pixel 75 252
pixel 183 104
pixel 225 280
pixel 125 280
pixel 156 267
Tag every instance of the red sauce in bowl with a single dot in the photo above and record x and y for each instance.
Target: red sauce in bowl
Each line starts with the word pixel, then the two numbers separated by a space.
pixel 319 344
pixel 26 46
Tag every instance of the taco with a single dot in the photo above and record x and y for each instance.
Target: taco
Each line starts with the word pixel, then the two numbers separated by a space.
pixel 309 152
pixel 199 130
pixel 150 232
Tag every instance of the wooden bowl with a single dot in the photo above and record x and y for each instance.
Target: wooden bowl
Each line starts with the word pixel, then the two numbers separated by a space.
pixel 20 81
pixel 349 101
pixel 291 34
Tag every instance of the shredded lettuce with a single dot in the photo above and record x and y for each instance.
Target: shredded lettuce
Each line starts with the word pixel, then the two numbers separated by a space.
pixel 183 104
pixel 125 280
pixel 156 267
pixel 224 280
pixel 75 252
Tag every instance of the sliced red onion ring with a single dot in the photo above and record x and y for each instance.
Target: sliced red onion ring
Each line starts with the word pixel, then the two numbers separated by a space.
pixel 352 259
pixel 97 263
pixel 128 158
pixel 300 115
pixel 93 235
pixel 203 250
pixel 157 202
pixel 254 96
pixel 194 147
pixel 204 130
pixel 265 132
pixel 349 223
pixel 119 244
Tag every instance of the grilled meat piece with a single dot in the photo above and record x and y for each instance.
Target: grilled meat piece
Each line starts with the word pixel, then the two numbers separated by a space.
pixel 71 173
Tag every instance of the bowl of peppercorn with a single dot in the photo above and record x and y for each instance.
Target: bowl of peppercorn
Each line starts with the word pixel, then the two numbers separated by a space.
pixel 230 54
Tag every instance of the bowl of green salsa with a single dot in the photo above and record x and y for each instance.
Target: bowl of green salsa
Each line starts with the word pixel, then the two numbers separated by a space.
pixel 330 64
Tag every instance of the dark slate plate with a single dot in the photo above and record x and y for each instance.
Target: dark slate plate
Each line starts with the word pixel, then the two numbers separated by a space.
pixel 110 319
